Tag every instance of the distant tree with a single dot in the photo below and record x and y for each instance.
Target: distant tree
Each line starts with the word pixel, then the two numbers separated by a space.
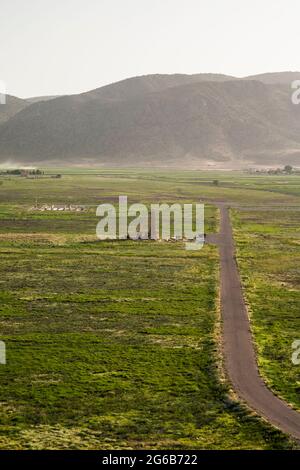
pixel 288 169
pixel 216 182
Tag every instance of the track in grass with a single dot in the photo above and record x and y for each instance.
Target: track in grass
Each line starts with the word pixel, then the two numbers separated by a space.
pixel 238 345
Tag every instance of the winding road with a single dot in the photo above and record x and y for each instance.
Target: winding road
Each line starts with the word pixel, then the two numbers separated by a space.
pixel 239 353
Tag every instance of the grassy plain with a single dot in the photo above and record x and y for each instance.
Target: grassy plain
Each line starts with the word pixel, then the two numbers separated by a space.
pixel 269 257
pixel 115 344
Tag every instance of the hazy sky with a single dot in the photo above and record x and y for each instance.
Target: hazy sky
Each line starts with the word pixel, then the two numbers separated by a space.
pixel 69 46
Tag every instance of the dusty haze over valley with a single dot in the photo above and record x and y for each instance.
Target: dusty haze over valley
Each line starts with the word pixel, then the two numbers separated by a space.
pixel 185 121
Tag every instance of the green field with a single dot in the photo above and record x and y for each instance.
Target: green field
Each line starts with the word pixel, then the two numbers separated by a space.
pixel 269 256
pixel 116 345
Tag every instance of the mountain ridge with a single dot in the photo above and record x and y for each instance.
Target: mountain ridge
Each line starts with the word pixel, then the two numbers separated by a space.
pixel 161 120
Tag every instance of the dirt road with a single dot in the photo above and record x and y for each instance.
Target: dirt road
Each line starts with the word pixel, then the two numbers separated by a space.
pixel 240 360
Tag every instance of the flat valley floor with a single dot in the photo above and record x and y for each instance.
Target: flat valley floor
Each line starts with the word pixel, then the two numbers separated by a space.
pixel 118 345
